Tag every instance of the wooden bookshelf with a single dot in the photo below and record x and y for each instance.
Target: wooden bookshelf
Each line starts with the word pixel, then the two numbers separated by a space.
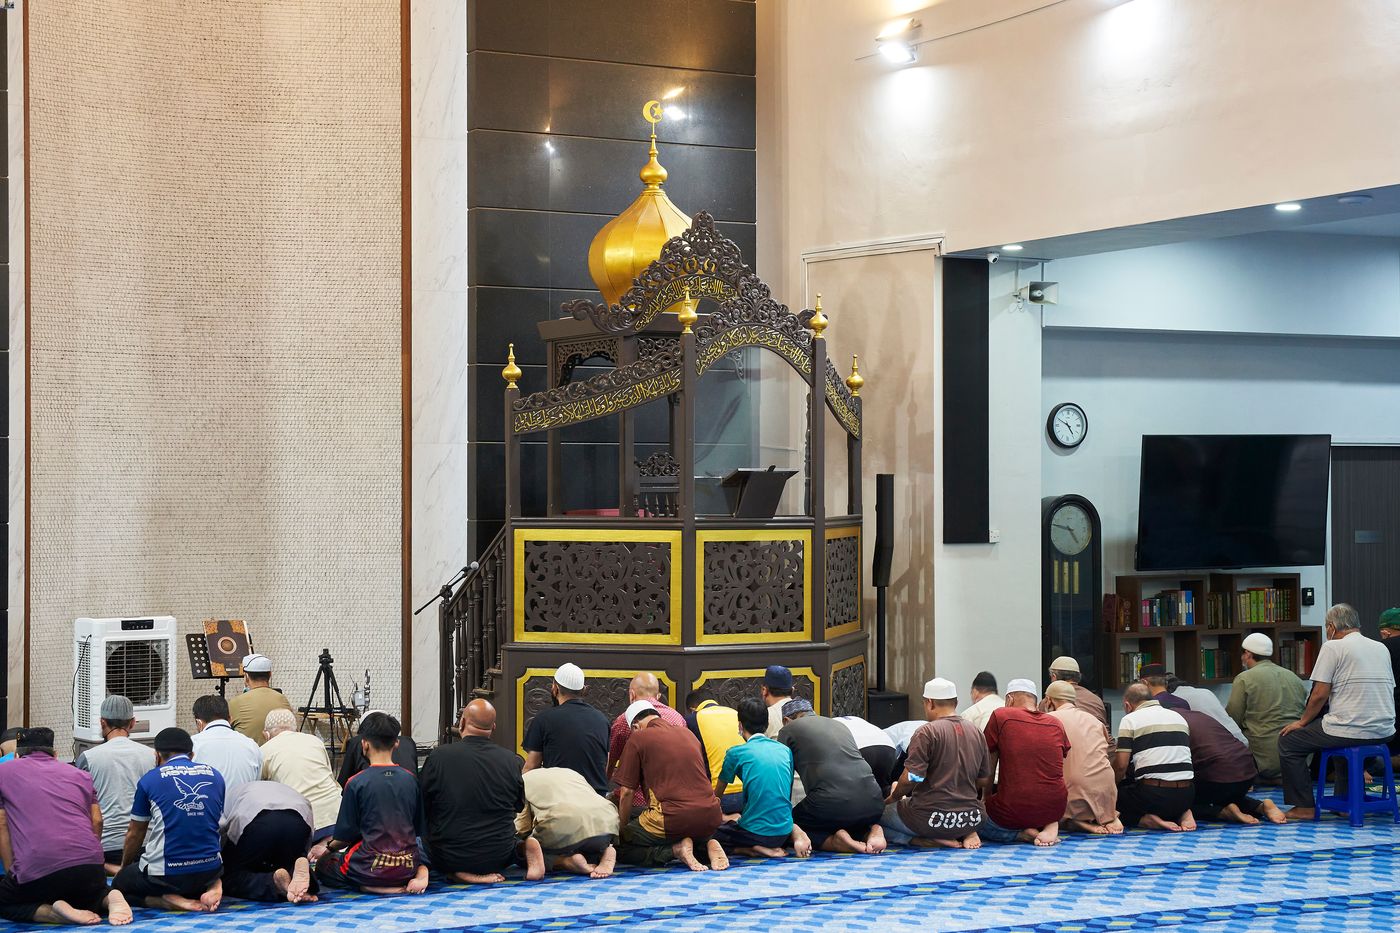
pixel 1275 612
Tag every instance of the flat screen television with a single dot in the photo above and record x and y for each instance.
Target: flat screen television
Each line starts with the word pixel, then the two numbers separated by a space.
pixel 1220 501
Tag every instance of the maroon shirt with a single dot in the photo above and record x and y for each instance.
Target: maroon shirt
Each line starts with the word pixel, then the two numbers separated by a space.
pixel 1216 755
pixel 48 806
pixel 1031 790
pixel 621 730
pixel 681 800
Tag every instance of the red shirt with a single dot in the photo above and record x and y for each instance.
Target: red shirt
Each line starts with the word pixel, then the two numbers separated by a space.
pixel 1031 789
pixel 617 741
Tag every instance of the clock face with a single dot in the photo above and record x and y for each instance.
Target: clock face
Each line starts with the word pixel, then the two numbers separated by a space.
pixel 1070 530
pixel 1068 425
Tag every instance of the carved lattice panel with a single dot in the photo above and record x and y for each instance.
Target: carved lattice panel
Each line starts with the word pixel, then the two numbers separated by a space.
pixel 848 689
pixel 753 590
pixel 842 583
pixel 608 693
pixel 729 691
pixel 620 588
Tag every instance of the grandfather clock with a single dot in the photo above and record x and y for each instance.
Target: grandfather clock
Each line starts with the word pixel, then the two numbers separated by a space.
pixel 1071 583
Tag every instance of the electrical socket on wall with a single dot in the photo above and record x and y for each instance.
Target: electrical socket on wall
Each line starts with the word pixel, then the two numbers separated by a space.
pixel 993 536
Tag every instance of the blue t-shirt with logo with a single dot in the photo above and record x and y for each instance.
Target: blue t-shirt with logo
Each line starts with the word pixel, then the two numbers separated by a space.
pixel 181 802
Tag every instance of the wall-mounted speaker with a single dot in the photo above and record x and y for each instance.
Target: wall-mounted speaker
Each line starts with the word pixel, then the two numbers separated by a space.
pixel 884 530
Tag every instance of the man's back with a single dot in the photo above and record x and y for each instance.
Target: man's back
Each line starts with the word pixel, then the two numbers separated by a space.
pixel 182 802
pixel 950 755
pixel 717 728
pixel 1158 742
pixel 300 761
pixel 666 759
pixel 1362 702
pixel 48 809
pixel 826 757
pixel 381 808
pixel 472 791
pixel 573 735
pixel 1266 698
pixel 116 766
pixel 247 712
pixel 1216 755
pixel 562 808
pixel 250 799
pixel 765 767
pixel 1204 701
pixel 236 757
pixel 1031 746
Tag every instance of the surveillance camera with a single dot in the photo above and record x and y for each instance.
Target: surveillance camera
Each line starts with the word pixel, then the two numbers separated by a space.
pixel 993 256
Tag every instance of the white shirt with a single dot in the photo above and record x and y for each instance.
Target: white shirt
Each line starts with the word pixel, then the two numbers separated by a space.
pixel 866 734
pixel 1203 701
pixel 232 754
pixel 981 711
pixel 1362 704
pixel 901 732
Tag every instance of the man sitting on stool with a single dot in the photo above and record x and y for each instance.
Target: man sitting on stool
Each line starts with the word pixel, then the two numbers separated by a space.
pixel 472 791
pixel 1153 764
pixel 1352 679
pixel 171 856
pixel 266 828
pixel 248 710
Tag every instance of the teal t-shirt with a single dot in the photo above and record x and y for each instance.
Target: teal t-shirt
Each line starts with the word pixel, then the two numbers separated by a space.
pixel 765 767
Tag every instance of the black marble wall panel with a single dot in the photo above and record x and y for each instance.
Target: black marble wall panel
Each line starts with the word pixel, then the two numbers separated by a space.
pixel 555 142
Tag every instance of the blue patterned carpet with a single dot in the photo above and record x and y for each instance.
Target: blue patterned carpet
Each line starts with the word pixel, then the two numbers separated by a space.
pixel 1295 878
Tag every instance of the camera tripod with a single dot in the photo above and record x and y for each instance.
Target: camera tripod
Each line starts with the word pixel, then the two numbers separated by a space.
pixel 338 716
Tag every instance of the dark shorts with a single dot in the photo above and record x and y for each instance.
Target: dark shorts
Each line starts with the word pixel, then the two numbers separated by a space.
pixel 83 886
pixel 592 847
pixel 329 873
pixel 821 823
pixel 733 836
pixel 477 861
pixel 882 760
pixel 1136 800
pixel 112 856
pixel 136 885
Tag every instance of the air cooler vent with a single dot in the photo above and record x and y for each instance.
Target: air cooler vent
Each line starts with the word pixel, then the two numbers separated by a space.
pixel 136 670
pixel 84 681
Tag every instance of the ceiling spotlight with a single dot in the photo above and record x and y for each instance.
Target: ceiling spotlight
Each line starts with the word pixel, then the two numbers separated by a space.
pixel 674 113
pixel 673 93
pixel 1354 199
pixel 896 42
pixel 897 52
pixel 1288 207
pixel 549 147
pixel 1013 247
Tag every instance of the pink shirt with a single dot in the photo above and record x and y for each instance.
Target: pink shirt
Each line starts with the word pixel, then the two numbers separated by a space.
pixel 48 807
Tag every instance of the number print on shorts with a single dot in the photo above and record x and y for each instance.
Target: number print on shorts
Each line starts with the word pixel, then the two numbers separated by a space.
pixel 955 819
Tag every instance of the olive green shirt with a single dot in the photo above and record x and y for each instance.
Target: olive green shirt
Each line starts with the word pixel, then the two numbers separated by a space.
pixel 1263 700
pixel 248 711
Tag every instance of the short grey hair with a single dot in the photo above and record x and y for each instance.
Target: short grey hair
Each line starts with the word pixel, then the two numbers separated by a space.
pixel 1343 617
pixel 279 720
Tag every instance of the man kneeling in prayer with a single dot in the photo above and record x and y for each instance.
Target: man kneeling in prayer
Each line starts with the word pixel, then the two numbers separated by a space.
pixel 842 809
pixel 1093 792
pixel 575 828
pixel 935 802
pixel 683 810
pixel 765 768
pixel 266 828
pixel 1153 765
pixel 1030 747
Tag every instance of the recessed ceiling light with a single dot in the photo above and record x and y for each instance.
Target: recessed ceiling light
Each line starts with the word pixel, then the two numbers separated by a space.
pixel 898 53
pixel 1013 247
pixel 1352 199
pixel 1288 207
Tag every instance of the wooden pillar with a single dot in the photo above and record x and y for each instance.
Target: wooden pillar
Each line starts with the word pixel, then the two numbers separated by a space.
pixel 854 382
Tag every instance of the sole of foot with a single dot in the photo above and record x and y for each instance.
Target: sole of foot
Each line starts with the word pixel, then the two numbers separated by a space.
pixel 67 913
pixel 118 910
pixel 718 860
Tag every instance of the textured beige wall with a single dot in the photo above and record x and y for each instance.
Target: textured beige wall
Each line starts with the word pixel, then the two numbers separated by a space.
pixel 215 317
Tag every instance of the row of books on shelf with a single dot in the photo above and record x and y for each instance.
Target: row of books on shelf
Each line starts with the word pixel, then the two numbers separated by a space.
pixel 1169 607
pixel 1258 605
pixel 1130 665
pixel 1297 655
pixel 1217 663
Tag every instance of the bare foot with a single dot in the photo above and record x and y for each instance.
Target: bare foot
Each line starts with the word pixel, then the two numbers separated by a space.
pixel 1272 813
pixel 574 864
pixel 1084 826
pixel 1188 822
pixel 534 860
pixel 718 860
pixel 801 842
pixel 176 902
pixel 972 841
pixel 468 878
pixel 685 853
pixel 919 842
pixel 1115 828
pixel 212 896
pixel 842 841
pixel 1299 813
pixel 64 912
pixel 1048 836
pixel 299 883
pixel 770 852
pixel 368 889
pixel 875 842
pixel 419 882
pixel 1153 821
pixel 118 910
pixel 609 861
pixel 1231 813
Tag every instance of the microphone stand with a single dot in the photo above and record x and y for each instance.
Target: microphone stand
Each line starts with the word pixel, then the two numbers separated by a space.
pixel 444 592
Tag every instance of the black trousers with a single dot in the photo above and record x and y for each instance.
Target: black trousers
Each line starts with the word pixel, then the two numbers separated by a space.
pixel 591 848
pixel 83 886
pixel 821 823
pixel 882 759
pixel 732 836
pixel 274 839
pixel 1136 800
pixel 1212 797
pixel 136 885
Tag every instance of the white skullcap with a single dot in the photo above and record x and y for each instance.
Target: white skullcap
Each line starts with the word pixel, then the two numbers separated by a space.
pixel 940 689
pixel 636 709
pixel 257 664
pixel 1022 685
pixel 1259 644
pixel 569 676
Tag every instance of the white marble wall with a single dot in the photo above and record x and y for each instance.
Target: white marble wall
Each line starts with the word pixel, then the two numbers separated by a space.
pixel 438 131
pixel 15 582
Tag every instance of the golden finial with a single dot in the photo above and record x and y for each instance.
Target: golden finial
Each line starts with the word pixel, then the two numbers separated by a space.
pixel 818 321
pixel 652 174
pixel 511 373
pixel 686 315
pixel 855 380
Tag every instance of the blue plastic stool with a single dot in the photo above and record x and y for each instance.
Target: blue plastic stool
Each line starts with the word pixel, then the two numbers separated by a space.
pixel 1355 801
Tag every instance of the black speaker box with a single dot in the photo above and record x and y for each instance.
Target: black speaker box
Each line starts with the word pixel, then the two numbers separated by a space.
pixel 884 530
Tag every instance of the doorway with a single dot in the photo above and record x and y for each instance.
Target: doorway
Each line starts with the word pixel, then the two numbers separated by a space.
pixel 1366 530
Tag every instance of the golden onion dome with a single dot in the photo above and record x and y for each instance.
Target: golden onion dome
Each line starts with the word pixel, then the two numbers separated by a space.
pixel 632 240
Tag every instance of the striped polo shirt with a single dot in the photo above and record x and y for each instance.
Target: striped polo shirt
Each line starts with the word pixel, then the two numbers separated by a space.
pixel 1158 741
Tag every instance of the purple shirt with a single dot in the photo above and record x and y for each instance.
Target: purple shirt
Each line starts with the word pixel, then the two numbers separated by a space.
pixel 48 806
pixel 1171 701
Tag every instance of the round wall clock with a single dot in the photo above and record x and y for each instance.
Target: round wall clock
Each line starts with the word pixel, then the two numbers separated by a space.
pixel 1067 425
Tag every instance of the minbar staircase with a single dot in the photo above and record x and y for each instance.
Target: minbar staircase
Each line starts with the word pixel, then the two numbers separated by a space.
pixel 473 625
